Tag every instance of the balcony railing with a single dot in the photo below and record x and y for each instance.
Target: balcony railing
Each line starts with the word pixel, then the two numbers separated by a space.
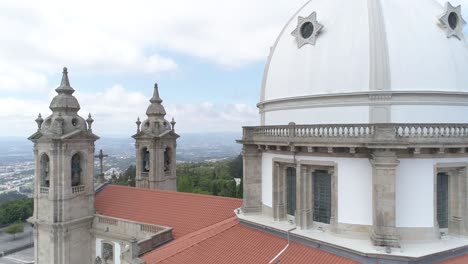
pixel 78 189
pixel 359 133
pixel 149 236
pixel 44 190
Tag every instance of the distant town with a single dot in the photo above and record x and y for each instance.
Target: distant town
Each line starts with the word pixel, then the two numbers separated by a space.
pixel 17 164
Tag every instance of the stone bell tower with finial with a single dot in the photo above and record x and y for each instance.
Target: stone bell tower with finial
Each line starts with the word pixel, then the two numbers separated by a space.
pixel 63 186
pixel 156 148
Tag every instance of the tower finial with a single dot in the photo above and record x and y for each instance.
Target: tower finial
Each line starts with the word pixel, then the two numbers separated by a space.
pixel 173 122
pixel 156 98
pixel 39 122
pixel 90 121
pixel 138 123
pixel 65 87
pixel 65 82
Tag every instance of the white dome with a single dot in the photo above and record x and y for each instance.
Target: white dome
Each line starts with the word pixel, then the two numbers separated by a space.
pixel 364 46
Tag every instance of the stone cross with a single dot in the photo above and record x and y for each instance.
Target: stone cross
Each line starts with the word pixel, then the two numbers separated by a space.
pixel 101 157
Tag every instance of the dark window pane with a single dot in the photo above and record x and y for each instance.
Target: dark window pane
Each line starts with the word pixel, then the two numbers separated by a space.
pixel 291 191
pixel 442 200
pixel 322 196
pixel 307 29
pixel 453 20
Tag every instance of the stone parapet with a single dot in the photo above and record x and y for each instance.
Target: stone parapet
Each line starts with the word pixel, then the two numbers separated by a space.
pixel 416 136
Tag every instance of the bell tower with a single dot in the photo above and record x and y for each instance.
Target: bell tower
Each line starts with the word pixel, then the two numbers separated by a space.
pixel 156 148
pixel 63 186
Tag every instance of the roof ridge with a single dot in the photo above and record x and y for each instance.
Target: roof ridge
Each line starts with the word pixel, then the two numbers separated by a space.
pixel 194 238
pixel 176 192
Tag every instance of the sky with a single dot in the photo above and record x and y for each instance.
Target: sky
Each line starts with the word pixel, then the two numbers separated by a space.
pixel 207 57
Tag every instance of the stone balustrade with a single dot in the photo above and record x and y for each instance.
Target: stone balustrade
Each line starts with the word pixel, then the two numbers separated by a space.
pixel 358 134
pixel 149 236
pixel 78 189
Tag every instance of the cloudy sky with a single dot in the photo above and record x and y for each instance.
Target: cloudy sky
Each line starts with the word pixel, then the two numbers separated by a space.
pixel 207 56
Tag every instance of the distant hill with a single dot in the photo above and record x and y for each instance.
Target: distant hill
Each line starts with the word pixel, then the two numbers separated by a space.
pixel 190 147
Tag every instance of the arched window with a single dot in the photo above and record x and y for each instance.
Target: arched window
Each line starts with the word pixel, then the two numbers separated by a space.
pixel 146 160
pixel 167 159
pixel 45 182
pixel 76 170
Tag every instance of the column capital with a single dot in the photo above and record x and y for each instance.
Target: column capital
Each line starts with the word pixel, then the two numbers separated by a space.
pixel 384 158
pixel 250 150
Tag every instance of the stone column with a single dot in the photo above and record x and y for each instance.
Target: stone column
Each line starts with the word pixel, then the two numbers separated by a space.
pixel 138 166
pixel 252 179
pixel 334 199
pixel 279 194
pixel 384 233
pixel 304 205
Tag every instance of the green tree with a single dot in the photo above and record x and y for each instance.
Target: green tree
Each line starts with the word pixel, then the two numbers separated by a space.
pixel 127 178
pixel 184 184
pixel 14 229
pixel 13 211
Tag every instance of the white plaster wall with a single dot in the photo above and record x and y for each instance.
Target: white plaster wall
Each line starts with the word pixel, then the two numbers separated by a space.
pixel 319 115
pixel 117 250
pixel 429 114
pixel 354 186
pixel 267 178
pixel 415 191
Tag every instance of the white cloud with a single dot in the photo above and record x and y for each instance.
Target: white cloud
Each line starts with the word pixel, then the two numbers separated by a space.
pixel 115 111
pixel 39 37
pixel 115 116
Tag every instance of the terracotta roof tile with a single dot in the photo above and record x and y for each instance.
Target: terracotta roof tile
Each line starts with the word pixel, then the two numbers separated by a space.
pixel 231 242
pixel 184 212
pixel 458 260
pixel 205 229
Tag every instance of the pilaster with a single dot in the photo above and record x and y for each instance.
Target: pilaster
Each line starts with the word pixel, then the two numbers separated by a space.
pixel 252 179
pixel 384 233
pixel 304 218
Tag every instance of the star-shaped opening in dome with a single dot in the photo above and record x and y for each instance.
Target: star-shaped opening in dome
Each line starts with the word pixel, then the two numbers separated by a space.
pixel 307 30
pixel 452 21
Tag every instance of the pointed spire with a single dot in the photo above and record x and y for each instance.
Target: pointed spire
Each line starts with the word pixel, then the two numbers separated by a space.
pixel 156 108
pixel 65 101
pixel 65 81
pixel 156 98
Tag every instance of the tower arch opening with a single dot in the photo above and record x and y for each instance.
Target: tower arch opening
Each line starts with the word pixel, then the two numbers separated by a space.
pixel 146 159
pixel 76 170
pixel 45 169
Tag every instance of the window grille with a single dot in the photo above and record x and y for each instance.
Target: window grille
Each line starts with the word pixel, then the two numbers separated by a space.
pixel 442 199
pixel 322 196
pixel 291 191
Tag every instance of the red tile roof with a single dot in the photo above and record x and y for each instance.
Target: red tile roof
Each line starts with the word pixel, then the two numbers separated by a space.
pixel 458 260
pixel 205 229
pixel 230 242
pixel 184 212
